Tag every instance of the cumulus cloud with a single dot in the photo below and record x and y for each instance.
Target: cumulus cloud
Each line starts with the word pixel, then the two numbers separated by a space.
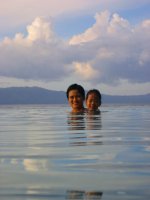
pixel 85 71
pixel 17 13
pixel 109 51
pixel 120 51
pixel 39 55
pixel 40 30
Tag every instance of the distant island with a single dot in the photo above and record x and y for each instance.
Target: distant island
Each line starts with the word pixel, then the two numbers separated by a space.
pixel 37 95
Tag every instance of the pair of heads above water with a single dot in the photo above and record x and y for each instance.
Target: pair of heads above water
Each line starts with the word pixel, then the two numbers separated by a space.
pixel 76 97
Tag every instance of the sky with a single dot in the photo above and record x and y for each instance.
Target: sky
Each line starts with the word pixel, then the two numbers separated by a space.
pixel 98 44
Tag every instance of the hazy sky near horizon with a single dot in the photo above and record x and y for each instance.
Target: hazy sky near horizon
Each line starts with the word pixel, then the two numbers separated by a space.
pixel 99 44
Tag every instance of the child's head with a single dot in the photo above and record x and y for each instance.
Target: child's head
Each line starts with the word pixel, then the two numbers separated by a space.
pixel 93 100
pixel 76 96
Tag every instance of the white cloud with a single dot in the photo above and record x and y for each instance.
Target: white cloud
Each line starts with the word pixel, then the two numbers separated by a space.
pixel 17 12
pixel 109 51
pixel 40 30
pixel 119 51
pixel 97 30
pixel 105 27
pixel 39 55
pixel 85 71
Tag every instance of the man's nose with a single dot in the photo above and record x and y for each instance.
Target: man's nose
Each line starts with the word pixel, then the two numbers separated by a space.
pixel 75 99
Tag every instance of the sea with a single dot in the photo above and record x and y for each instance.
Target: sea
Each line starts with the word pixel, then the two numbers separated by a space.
pixel 47 153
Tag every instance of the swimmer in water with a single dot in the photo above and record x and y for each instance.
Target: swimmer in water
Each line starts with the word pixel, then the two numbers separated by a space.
pixel 93 101
pixel 76 96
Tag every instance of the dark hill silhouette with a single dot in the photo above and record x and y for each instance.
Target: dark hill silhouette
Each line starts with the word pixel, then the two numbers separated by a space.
pixel 126 99
pixel 31 95
pixel 36 95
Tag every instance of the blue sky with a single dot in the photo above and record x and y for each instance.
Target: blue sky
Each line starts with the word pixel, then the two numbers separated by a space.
pixel 79 23
pixel 99 44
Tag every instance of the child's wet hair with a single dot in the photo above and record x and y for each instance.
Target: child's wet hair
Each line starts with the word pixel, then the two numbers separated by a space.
pixel 95 91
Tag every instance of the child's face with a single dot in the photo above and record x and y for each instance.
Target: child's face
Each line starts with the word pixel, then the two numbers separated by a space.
pixel 75 100
pixel 92 102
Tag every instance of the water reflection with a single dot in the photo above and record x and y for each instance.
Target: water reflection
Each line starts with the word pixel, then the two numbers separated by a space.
pixel 40 156
pixel 81 137
pixel 81 195
pixel 82 128
pixel 35 165
pixel 93 121
pixel 88 121
pixel 76 121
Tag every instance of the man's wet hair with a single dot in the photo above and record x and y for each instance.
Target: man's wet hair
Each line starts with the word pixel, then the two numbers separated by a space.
pixel 77 87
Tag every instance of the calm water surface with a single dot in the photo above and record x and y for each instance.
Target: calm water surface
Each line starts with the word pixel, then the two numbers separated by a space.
pixel 47 153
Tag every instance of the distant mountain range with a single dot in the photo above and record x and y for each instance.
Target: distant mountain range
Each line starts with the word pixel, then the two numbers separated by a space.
pixel 36 95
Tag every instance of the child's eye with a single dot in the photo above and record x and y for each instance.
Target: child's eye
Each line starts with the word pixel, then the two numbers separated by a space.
pixel 91 100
